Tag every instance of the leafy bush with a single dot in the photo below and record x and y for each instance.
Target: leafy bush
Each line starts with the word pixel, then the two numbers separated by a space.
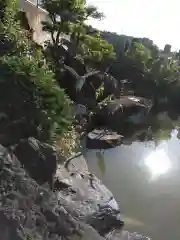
pixel 29 94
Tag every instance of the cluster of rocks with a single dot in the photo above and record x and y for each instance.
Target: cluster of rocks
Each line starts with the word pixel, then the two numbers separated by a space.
pixel 42 200
pixel 107 126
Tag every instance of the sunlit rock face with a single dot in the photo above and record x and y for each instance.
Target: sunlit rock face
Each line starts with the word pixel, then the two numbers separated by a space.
pixel 88 199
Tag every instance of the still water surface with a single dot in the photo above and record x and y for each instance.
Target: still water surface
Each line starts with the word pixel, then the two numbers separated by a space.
pixel 145 179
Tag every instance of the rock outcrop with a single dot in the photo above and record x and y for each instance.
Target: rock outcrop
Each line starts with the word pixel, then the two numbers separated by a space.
pixel 80 207
pixel 127 109
pixel 88 199
pixel 39 159
pixel 29 211
pixel 103 139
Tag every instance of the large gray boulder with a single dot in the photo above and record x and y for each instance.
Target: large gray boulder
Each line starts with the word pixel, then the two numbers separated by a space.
pixel 39 159
pixel 29 211
pixel 82 208
pixel 127 109
pixel 87 198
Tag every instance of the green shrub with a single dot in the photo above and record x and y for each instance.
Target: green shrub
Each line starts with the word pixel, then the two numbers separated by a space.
pixel 29 94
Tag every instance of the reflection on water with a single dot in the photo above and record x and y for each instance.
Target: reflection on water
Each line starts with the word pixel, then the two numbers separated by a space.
pixel 101 163
pixel 144 176
pixel 174 133
pixel 131 222
pixel 158 162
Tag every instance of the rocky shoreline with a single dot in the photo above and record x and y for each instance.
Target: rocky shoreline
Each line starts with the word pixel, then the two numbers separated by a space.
pixel 62 202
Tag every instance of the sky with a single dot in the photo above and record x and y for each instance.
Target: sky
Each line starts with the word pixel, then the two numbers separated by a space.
pixel 158 20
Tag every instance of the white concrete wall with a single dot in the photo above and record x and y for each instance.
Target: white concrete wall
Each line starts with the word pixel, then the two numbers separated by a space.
pixel 35 16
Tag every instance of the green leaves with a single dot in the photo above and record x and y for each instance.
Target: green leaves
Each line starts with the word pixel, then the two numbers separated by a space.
pixel 28 89
pixel 84 40
pixel 92 12
pixel 38 83
pixel 151 72
pixel 97 49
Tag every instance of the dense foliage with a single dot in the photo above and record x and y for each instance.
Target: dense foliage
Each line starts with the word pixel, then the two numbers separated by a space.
pixel 31 100
pixel 68 27
pixel 151 72
pixel 31 93
pixel 73 42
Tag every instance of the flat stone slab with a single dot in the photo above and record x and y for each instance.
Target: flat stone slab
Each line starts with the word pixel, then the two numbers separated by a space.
pixel 102 139
pixel 103 135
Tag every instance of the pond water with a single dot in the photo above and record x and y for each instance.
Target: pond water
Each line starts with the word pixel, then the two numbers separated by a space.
pixel 144 177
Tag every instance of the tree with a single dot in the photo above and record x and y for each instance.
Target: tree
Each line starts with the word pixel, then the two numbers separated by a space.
pixel 29 94
pixel 74 43
pixel 67 26
pixel 150 74
pixel 97 52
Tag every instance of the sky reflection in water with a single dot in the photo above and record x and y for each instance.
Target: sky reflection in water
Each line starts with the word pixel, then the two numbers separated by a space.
pixel 144 177
pixel 158 162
